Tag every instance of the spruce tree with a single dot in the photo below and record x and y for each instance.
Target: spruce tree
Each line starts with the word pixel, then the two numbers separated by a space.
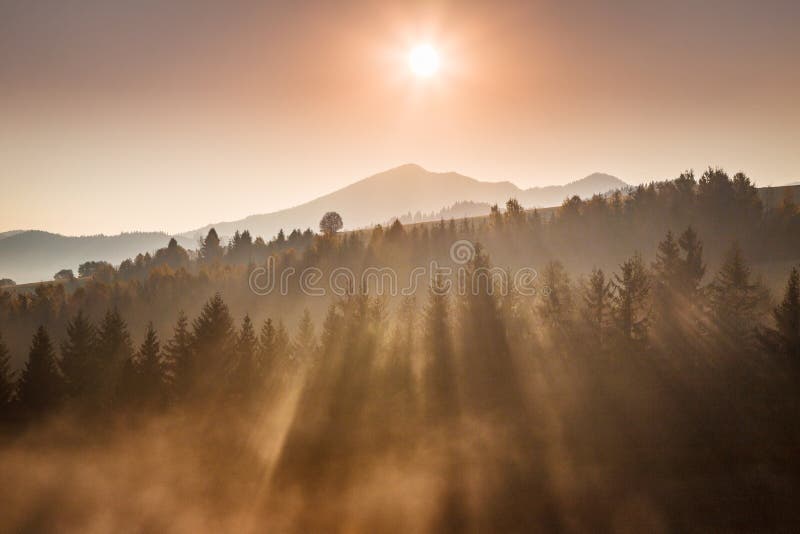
pixel 114 349
pixel 79 358
pixel 150 372
pixel 210 248
pixel 441 399
pixel 631 300
pixel 735 299
pixel 179 357
pixel 246 376
pixel 784 338
pixel 213 341
pixel 555 304
pixel 693 267
pixel 40 386
pixel 597 299
pixel 6 379
pixel 304 346
pixel 272 346
pixel 668 279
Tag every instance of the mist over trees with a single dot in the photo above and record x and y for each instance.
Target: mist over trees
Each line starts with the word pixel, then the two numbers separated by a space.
pixel 648 382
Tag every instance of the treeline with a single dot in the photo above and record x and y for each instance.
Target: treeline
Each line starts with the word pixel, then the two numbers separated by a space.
pixel 662 307
pixel 639 396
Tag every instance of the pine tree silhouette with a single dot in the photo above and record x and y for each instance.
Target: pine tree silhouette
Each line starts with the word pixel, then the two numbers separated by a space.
pixel 7 385
pixel 784 338
pixel 631 300
pixel 79 358
pixel 179 358
pixel 41 385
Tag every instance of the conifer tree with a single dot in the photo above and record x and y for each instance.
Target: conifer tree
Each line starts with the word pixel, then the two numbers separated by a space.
pixel 210 248
pixel 597 298
pixel 735 299
pixel 6 379
pixel 179 357
pixel 304 346
pixel 694 268
pixel 668 281
pixel 79 358
pixel 40 386
pixel 440 373
pixel 273 346
pixel 150 370
pixel 631 299
pixel 555 304
pixel 784 338
pixel 114 350
pixel 213 341
pixel 246 376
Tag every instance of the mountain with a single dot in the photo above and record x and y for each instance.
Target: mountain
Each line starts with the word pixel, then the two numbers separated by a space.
pixel 32 256
pixel 10 233
pixel 407 189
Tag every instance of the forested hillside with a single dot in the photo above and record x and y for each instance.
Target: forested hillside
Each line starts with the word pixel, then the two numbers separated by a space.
pixel 640 377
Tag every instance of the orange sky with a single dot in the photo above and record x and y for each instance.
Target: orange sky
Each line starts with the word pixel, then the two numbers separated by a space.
pixel 147 116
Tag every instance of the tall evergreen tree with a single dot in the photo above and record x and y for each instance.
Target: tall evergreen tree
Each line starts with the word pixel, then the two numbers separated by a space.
pixel 114 349
pixel 304 346
pixel 555 303
pixel 784 338
pixel 668 280
pixel 441 395
pixel 79 358
pixel 179 357
pixel 6 379
pixel 246 376
pixel 735 299
pixel 273 347
pixel 210 248
pixel 597 298
pixel 694 268
pixel 150 369
pixel 631 300
pixel 41 385
pixel 213 341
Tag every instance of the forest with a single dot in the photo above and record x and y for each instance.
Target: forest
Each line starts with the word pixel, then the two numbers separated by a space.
pixel 649 383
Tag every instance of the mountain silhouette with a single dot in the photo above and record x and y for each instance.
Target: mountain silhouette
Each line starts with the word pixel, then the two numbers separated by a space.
pixel 407 189
pixel 32 256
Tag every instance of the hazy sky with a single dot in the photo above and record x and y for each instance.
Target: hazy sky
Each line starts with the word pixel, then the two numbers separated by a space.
pixel 155 115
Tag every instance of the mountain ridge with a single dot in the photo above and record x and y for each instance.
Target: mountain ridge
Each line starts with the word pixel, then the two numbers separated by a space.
pixel 35 255
pixel 422 191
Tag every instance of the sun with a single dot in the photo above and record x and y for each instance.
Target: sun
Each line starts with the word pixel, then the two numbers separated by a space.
pixel 424 60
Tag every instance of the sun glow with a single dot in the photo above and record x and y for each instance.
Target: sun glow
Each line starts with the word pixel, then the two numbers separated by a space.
pixel 424 60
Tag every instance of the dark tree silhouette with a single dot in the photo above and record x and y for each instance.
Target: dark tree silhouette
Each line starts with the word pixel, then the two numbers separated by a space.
pixel 246 377
pixel 7 385
pixel 210 248
pixel 631 300
pixel 213 341
pixel 597 298
pixel 79 362
pixel 40 386
pixel 179 357
pixel 735 299
pixel 784 338
pixel 304 345
pixel 114 350
pixel 149 369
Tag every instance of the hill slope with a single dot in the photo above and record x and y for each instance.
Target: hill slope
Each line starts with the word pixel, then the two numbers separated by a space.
pixel 404 189
pixel 32 256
